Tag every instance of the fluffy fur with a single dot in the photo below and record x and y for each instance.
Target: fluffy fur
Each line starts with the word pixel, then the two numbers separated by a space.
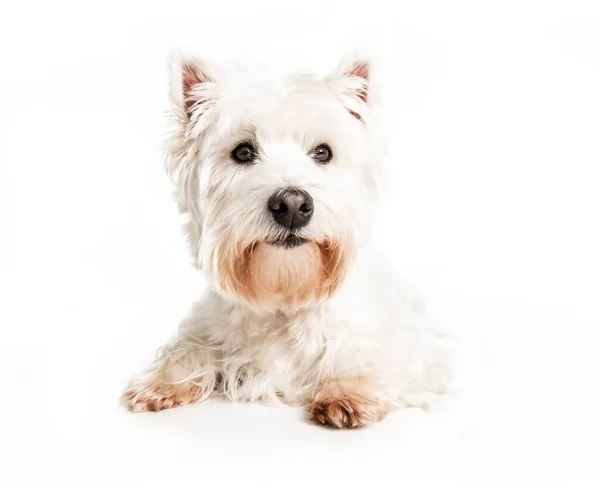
pixel 324 324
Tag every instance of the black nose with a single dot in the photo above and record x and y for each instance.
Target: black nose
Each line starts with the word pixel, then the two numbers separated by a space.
pixel 291 207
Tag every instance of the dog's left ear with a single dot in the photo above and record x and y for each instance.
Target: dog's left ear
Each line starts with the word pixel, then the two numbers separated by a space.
pixel 354 83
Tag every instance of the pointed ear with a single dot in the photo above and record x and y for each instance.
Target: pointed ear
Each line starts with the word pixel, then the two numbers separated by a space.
pixel 193 92
pixel 361 69
pixel 354 82
pixel 193 88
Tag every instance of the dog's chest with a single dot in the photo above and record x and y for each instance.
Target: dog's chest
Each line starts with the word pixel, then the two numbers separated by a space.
pixel 287 348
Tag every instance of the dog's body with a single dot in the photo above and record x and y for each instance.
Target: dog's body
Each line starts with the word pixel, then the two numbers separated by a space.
pixel 279 183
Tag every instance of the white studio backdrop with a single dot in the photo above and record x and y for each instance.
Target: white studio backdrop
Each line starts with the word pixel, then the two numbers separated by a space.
pixel 492 211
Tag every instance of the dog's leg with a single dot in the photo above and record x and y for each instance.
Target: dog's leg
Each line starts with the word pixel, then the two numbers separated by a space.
pixel 182 374
pixel 347 402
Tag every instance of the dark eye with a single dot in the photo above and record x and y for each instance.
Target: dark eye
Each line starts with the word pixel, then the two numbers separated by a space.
pixel 244 153
pixel 322 154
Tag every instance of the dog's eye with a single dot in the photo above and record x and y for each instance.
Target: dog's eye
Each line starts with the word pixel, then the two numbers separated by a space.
pixel 322 153
pixel 244 153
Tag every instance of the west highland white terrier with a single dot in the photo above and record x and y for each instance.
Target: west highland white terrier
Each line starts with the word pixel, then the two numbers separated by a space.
pixel 279 182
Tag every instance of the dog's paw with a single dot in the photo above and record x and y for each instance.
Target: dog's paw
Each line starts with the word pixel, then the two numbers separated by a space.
pixel 341 408
pixel 141 396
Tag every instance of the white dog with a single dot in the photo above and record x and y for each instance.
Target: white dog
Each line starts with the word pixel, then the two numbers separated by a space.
pixel 279 182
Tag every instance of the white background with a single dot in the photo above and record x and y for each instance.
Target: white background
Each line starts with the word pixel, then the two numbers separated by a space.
pixel 493 120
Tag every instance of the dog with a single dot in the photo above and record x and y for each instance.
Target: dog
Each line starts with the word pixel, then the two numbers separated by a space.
pixel 279 182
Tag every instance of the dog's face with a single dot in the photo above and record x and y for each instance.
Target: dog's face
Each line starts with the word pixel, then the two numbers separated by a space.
pixel 279 180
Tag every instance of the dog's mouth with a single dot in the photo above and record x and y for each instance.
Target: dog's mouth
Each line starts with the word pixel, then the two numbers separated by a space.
pixel 289 241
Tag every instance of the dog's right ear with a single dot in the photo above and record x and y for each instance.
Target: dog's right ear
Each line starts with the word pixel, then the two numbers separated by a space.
pixel 193 90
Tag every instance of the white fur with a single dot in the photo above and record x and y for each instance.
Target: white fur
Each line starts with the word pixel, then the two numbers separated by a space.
pixel 371 330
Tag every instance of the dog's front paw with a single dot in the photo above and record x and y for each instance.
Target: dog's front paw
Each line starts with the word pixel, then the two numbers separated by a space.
pixel 340 408
pixel 151 395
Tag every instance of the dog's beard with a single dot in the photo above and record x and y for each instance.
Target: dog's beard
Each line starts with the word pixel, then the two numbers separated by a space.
pixel 284 272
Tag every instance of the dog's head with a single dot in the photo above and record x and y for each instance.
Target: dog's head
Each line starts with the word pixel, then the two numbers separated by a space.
pixel 279 180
